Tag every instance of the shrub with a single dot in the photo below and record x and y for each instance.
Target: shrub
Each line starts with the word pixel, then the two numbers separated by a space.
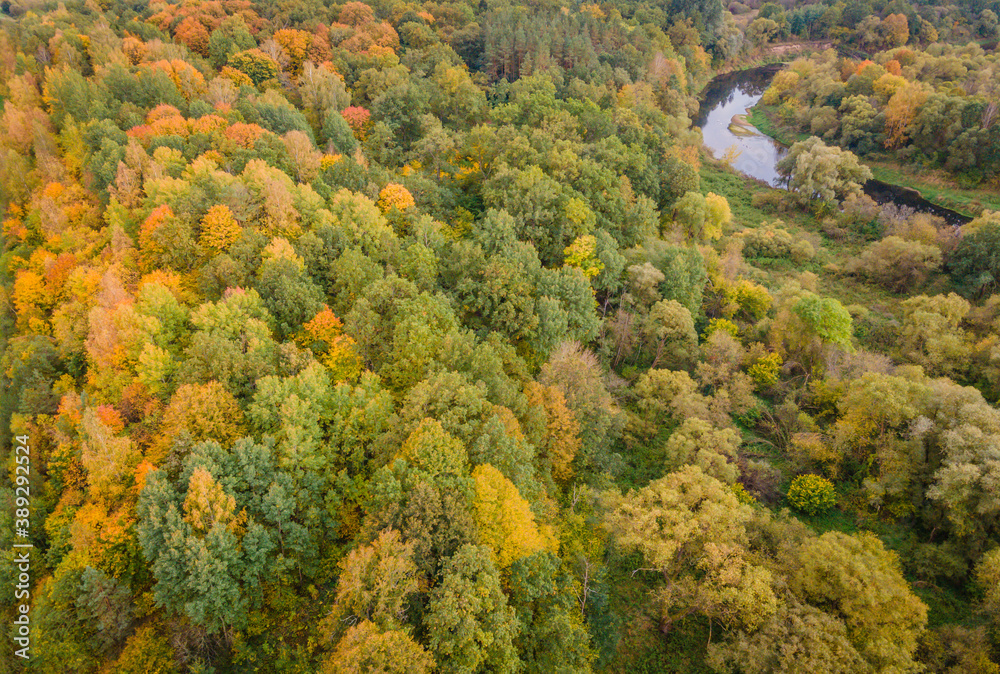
pixel 897 264
pixel 753 300
pixel 765 370
pixel 742 495
pixel 773 241
pixel 761 480
pixel 725 326
pixel 811 494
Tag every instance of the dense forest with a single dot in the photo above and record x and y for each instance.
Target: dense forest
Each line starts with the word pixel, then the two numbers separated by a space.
pixel 934 108
pixel 425 337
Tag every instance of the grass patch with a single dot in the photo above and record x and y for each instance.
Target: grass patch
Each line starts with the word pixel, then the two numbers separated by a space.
pixel 834 519
pixel 764 117
pixel 738 191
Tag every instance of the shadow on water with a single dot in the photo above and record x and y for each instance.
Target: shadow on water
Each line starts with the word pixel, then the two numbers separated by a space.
pixel 884 193
pixel 731 95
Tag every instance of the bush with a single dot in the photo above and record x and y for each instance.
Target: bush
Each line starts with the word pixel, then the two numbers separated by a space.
pixel 765 370
pixel 773 241
pixel 897 264
pixel 742 495
pixel 811 494
pixel 761 479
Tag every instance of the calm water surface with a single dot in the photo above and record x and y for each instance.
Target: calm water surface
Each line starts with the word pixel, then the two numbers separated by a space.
pixel 734 94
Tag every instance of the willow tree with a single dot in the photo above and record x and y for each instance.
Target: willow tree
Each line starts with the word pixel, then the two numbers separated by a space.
pixel 817 171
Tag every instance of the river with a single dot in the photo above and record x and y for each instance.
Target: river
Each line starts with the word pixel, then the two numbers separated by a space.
pixel 734 94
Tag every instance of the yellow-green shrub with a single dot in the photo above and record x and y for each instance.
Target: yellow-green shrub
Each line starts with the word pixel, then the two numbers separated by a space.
pixel 742 495
pixel 722 324
pixel 811 494
pixel 765 370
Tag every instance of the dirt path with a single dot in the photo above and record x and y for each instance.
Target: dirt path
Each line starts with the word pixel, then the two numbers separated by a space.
pixel 785 48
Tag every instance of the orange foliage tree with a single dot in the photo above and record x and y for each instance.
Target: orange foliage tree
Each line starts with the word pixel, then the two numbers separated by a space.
pixel 900 111
pixel 302 46
pixel 359 119
pixel 337 351
pixel 561 441
pixel 395 196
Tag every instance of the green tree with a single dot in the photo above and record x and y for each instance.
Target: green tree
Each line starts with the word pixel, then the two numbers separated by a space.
pixel 815 170
pixel 106 605
pixel 434 513
pixel 470 625
pixel 987 574
pixel 975 262
pixel 855 579
pixel 336 132
pixel 553 637
pixel 232 36
pixel 547 213
pixel 691 531
pixel 289 294
pixel 323 95
pixel 232 344
pixel 192 542
pixel 669 330
pixel 824 318
pixel 366 648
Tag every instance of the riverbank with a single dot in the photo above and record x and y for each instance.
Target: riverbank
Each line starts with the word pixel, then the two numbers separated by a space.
pixel 762 117
pixel 936 188
pixel 772 54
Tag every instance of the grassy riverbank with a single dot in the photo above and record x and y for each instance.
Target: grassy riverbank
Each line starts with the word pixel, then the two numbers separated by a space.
pixel 934 186
pixel 938 189
pixel 764 118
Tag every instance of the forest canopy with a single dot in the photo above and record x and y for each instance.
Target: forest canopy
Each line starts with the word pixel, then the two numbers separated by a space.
pixel 427 337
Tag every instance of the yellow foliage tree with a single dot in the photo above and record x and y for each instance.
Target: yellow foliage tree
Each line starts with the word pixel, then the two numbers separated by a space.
pixel 562 431
pixel 203 412
pixel 719 215
pixel 207 504
pixel 505 521
pixel 395 196
pixel 582 254
pixel 900 111
pixel 219 229
pixel 30 301
pixel 146 652
pixel 365 648
pixel 109 459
